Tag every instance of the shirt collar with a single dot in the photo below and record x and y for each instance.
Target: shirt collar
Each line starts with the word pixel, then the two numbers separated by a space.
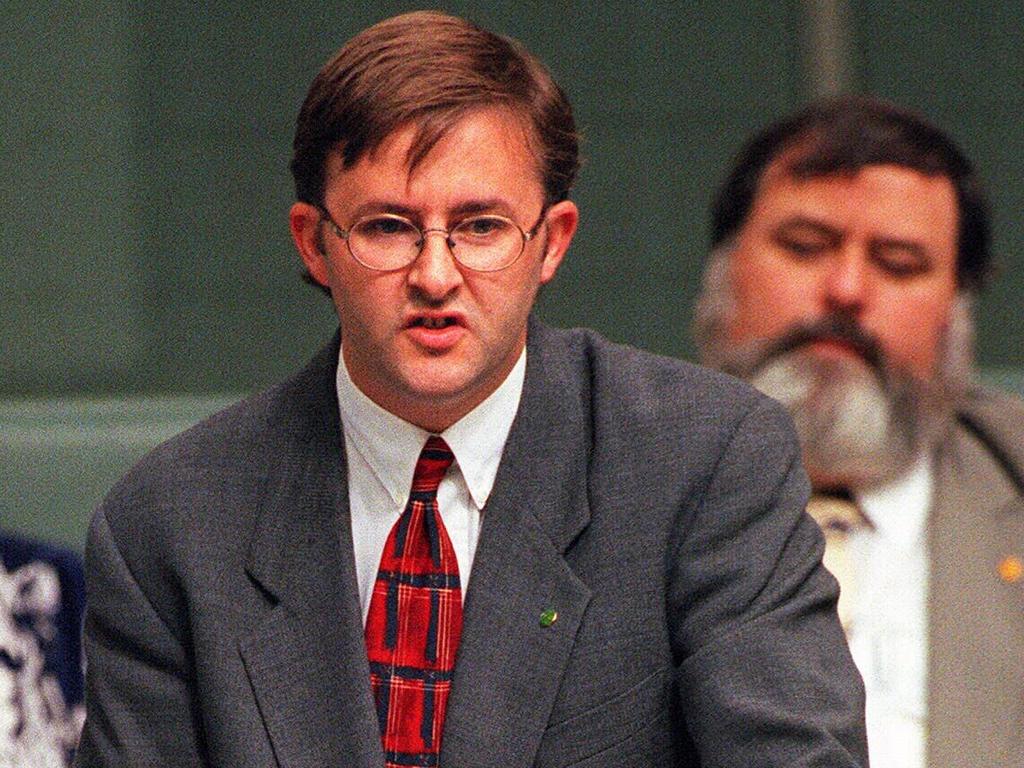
pixel 390 445
pixel 899 508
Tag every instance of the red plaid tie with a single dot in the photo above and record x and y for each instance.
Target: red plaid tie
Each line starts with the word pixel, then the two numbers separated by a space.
pixel 415 621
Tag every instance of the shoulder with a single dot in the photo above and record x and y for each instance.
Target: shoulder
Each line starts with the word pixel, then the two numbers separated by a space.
pixel 996 420
pixel 215 472
pixel 626 383
pixel 993 407
pixel 672 423
pixel 300 409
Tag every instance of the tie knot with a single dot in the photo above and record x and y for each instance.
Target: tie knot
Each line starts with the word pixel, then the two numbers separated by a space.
pixel 836 513
pixel 434 460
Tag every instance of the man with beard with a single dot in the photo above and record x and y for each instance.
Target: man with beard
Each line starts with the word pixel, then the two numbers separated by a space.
pixel 849 241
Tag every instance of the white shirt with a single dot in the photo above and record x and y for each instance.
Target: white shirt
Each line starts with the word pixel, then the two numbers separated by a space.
pixel 888 631
pixel 382 450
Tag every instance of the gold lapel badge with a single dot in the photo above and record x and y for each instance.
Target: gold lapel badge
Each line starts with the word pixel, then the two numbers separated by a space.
pixel 1011 569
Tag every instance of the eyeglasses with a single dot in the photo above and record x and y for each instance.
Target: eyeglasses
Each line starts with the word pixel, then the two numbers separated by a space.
pixel 386 241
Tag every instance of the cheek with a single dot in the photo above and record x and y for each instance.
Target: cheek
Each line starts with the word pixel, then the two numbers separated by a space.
pixel 911 332
pixel 506 297
pixel 505 308
pixel 365 303
pixel 764 303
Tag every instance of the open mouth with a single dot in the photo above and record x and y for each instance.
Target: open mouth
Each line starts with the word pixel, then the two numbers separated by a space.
pixel 434 323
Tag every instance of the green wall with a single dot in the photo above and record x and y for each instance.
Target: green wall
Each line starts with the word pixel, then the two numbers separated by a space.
pixel 146 203
pixel 147 269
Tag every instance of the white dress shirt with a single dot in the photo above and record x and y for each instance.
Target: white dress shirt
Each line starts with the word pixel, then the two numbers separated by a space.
pixel 888 631
pixel 382 449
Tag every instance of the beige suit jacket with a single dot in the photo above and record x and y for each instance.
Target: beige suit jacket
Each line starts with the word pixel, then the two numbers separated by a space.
pixel 976 617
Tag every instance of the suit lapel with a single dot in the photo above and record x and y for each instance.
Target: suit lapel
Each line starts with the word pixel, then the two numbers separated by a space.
pixel 975 618
pixel 306 660
pixel 509 664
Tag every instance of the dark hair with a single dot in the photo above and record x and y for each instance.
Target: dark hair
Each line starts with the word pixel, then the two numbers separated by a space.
pixel 429 69
pixel 843 135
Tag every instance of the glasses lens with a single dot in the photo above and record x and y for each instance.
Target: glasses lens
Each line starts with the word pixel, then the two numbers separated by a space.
pixel 487 242
pixel 384 242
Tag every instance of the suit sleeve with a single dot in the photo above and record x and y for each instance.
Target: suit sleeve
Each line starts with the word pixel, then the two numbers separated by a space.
pixel 764 672
pixel 140 709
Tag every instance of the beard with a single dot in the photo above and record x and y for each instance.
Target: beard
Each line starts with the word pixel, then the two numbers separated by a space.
pixel 862 420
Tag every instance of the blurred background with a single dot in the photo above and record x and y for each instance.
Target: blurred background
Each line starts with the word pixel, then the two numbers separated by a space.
pixel 146 272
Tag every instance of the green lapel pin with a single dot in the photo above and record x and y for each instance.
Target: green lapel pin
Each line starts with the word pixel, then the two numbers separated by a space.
pixel 548 617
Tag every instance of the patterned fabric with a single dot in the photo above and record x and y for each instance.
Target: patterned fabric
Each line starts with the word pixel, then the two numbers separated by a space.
pixel 415 621
pixel 41 601
pixel 839 518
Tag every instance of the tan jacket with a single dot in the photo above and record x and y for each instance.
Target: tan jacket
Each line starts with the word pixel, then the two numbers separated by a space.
pixel 976 617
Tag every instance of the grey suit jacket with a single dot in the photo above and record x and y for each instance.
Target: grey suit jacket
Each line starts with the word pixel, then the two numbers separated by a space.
pixel 657 507
pixel 976 634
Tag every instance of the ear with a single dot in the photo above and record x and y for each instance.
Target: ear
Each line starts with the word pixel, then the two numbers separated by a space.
pixel 304 222
pixel 561 220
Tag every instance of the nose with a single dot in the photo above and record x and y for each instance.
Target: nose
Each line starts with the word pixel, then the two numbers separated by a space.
pixel 435 273
pixel 437 231
pixel 847 280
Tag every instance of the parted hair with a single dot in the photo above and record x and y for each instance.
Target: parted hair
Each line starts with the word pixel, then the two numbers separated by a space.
pixel 843 135
pixel 429 69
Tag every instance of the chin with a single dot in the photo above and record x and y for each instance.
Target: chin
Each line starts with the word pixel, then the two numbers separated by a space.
pixel 852 423
pixel 439 386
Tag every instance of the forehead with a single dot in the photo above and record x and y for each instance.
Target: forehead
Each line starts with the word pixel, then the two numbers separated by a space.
pixel 487 147
pixel 880 201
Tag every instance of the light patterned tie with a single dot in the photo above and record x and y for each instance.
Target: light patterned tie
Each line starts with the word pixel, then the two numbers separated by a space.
pixel 415 621
pixel 839 519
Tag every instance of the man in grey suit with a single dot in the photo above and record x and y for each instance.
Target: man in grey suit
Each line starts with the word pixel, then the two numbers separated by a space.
pixel 603 558
pixel 850 241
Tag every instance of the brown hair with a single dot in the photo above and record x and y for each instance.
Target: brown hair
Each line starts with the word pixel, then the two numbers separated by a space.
pixel 429 69
pixel 845 134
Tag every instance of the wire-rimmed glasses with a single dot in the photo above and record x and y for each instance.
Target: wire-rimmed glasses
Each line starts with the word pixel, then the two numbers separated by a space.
pixel 482 242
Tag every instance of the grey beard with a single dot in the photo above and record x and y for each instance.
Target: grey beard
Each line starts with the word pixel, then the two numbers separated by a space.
pixel 861 421
pixel 855 429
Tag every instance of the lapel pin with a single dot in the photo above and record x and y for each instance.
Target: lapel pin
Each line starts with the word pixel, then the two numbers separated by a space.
pixel 1011 569
pixel 548 617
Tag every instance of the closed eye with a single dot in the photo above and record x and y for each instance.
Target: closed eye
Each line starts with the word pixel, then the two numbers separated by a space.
pixel 804 248
pixel 899 259
pixel 803 239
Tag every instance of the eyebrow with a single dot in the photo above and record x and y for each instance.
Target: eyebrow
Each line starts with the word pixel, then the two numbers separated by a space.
pixel 371 207
pixel 468 207
pixel 482 206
